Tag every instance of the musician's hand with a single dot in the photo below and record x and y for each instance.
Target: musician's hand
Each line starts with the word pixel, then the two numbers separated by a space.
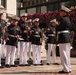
pixel 28 28
pixel 21 32
pixel 7 39
pixel 43 34
pixel 58 23
pixel 54 32
pixel 3 31
pixel 48 29
pixel 28 37
pixel 25 31
pixel 30 32
pixel 17 36
pixel 36 32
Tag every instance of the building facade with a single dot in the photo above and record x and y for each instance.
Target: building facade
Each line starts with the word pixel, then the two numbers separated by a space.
pixel 43 6
pixel 10 6
pixel 16 7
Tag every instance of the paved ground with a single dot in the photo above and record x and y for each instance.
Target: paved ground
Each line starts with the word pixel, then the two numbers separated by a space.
pixel 39 70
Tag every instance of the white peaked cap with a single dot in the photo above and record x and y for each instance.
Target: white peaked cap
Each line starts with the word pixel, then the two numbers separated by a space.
pixel 15 17
pixel 54 20
pixel 30 20
pixel 36 19
pixel 65 8
pixel 24 14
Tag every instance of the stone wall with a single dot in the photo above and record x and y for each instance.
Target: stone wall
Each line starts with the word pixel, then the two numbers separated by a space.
pixel 11 6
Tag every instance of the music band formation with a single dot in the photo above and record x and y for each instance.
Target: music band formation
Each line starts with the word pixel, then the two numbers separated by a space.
pixel 20 35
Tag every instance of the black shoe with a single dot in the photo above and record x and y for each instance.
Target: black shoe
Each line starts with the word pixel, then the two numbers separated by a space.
pixel 27 65
pixel 62 72
pixel 7 65
pixel 30 59
pixel 69 71
pixel 35 64
pixel 13 65
pixel 21 65
pixel 1 67
pixel 47 63
pixel 41 61
pixel 56 64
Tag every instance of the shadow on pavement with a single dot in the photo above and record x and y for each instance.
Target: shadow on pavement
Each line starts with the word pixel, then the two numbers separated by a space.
pixel 25 72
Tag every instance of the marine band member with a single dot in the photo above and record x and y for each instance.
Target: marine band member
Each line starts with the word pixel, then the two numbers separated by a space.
pixel 50 33
pixel 36 42
pixel 29 23
pixel 11 42
pixel 64 39
pixel 2 33
pixel 24 45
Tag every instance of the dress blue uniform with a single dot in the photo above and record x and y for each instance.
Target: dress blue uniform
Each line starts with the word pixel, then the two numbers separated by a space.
pixel 2 28
pixel 64 39
pixel 36 43
pixel 29 23
pixel 64 42
pixel 11 43
pixel 51 40
pixel 63 28
pixel 24 45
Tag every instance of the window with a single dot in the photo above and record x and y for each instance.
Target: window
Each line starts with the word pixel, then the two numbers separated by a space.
pixel 74 2
pixel 3 3
pixel 69 3
pixel 38 9
pixel 56 7
pixel 50 7
pixel 31 10
pixel 36 1
pixel 62 3
pixel 43 9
